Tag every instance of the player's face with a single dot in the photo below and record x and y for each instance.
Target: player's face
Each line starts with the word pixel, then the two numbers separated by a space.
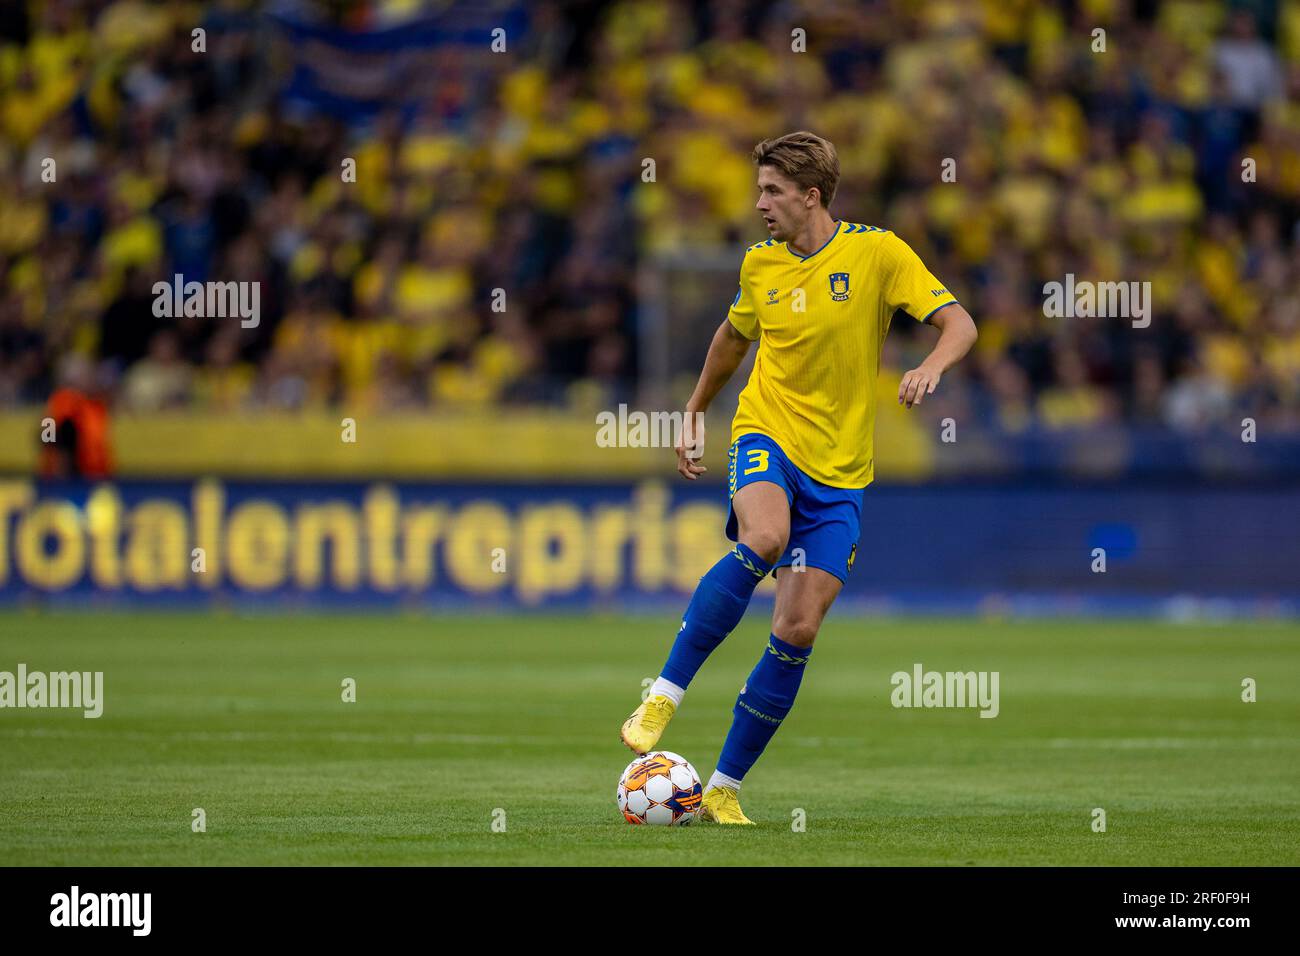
pixel 785 207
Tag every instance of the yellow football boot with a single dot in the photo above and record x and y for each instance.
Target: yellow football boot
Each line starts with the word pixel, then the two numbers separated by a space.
pixel 643 729
pixel 722 805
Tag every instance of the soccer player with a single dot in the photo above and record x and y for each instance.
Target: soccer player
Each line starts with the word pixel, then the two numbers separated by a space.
pixel 818 296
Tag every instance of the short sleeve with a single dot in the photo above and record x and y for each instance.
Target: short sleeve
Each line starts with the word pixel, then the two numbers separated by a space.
pixel 742 314
pixel 909 285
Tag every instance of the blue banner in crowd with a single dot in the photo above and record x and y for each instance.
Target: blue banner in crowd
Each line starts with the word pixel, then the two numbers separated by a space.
pixel 354 74
pixel 933 547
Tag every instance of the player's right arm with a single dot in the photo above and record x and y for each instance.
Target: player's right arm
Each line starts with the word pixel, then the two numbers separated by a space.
pixel 727 350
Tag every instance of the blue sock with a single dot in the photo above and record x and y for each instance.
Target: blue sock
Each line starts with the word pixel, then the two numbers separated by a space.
pixel 763 703
pixel 716 608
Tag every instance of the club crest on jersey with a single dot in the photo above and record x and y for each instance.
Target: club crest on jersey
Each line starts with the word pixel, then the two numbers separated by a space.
pixel 839 286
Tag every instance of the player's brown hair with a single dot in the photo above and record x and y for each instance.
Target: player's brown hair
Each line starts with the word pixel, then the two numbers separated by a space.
pixel 804 157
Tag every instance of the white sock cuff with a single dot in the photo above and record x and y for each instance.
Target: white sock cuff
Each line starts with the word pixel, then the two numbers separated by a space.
pixel 720 779
pixel 668 689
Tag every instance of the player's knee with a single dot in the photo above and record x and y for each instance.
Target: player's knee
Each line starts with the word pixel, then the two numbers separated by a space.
pixel 799 630
pixel 767 543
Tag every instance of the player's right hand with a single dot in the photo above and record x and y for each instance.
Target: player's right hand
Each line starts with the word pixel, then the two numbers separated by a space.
pixel 690 446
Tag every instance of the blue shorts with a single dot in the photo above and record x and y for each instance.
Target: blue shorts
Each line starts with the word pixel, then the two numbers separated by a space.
pixel 825 522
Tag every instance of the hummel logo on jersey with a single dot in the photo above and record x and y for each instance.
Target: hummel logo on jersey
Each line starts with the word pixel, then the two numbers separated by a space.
pixel 771 296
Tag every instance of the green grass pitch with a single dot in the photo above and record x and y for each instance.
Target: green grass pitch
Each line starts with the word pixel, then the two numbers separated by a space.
pixel 457 717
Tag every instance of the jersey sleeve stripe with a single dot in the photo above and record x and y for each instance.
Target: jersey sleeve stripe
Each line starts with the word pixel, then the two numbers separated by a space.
pixel 937 308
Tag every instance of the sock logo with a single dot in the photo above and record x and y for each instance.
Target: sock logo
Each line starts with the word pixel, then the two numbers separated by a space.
pixel 783 656
pixel 758 713
pixel 748 563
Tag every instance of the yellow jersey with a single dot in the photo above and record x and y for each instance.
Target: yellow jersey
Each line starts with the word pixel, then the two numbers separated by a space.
pixel 820 321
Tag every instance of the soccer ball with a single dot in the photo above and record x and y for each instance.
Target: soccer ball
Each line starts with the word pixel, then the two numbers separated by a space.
pixel 660 788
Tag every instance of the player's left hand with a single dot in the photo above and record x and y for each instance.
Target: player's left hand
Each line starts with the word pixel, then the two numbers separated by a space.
pixel 916 384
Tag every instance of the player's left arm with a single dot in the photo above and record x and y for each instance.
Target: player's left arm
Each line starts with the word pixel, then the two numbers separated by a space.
pixel 956 336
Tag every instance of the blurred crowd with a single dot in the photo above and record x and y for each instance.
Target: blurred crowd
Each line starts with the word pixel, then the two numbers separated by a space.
pixel 486 251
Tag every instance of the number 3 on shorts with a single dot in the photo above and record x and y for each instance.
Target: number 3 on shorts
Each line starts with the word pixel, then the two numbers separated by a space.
pixel 757 461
